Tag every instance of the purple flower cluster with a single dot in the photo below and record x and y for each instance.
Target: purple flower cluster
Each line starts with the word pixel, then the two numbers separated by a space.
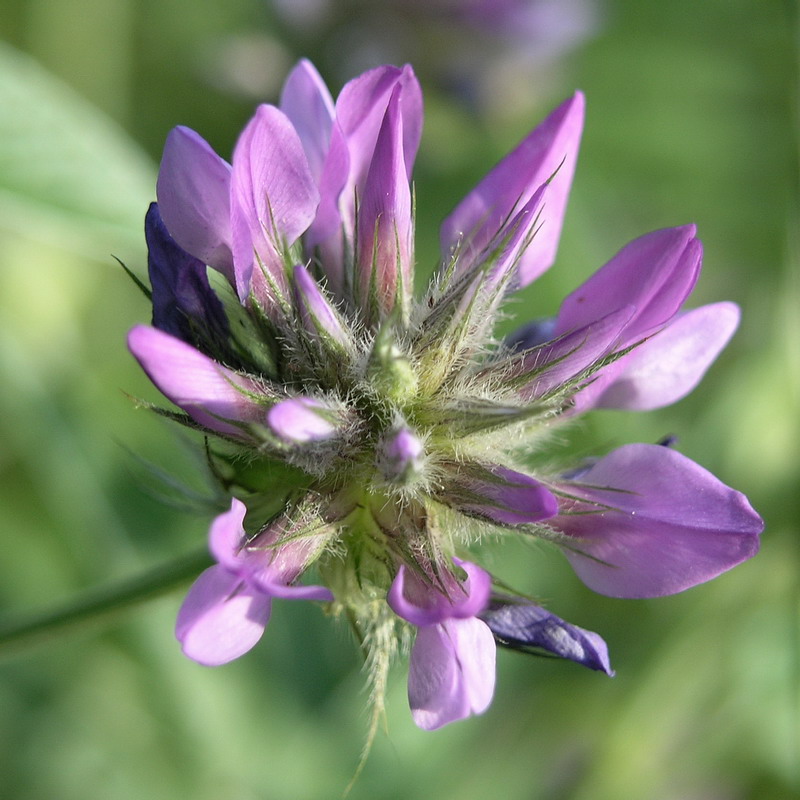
pixel 372 439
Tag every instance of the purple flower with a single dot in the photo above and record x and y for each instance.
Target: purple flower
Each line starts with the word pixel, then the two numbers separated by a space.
pixel 381 438
pixel 451 674
pixel 229 605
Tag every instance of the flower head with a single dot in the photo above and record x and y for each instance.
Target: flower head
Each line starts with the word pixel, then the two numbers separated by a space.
pixel 388 435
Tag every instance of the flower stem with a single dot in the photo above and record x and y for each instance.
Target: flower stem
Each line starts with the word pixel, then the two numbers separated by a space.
pixel 99 604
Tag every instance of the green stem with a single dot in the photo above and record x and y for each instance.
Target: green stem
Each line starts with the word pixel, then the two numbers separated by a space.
pixel 99 604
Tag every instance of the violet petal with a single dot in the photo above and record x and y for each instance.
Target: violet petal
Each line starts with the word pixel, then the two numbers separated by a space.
pixel 549 152
pixel 564 359
pixel 221 618
pixel 507 497
pixel 317 314
pixel 654 273
pixel 227 537
pixel 208 392
pixel 417 601
pixel 451 672
pixel 308 104
pixel 360 109
pixel 671 524
pixel 669 365
pixel 384 256
pixel 193 192
pixel 400 455
pixel 273 198
pixel 532 334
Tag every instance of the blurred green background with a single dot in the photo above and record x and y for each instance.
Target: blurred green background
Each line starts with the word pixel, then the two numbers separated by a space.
pixel 691 112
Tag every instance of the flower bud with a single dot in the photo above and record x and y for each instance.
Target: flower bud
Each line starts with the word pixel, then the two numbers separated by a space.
pixel 400 456
pixel 300 420
pixel 390 370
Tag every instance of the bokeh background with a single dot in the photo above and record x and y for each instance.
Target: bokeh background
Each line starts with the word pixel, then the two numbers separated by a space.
pixel 691 117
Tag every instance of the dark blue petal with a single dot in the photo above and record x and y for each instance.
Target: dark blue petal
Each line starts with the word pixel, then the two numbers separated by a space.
pixel 532 335
pixel 184 303
pixel 533 629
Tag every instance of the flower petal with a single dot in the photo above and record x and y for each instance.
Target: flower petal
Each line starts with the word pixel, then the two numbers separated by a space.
pixel 400 455
pixel 221 618
pixel 299 420
pixel 273 201
pixel 669 365
pixel 385 227
pixel 532 334
pixel 664 524
pixel 417 601
pixel 654 273
pixel 503 495
pixel 360 109
pixel 319 317
pixel 193 192
pixel 208 392
pixel 451 672
pixel 184 304
pixel 308 104
pixel 538 372
pixel 359 112
pixel 528 627
pixel 548 153
pixel 227 537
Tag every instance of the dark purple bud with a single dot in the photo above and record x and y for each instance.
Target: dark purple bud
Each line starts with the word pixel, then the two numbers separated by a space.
pixel 184 304
pixel 532 629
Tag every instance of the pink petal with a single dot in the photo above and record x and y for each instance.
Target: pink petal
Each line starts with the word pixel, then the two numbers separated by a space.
pixel 452 672
pixel 194 199
pixel 668 366
pixel 208 392
pixel 549 151
pixel 221 618
pixel 671 525
pixel 273 199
